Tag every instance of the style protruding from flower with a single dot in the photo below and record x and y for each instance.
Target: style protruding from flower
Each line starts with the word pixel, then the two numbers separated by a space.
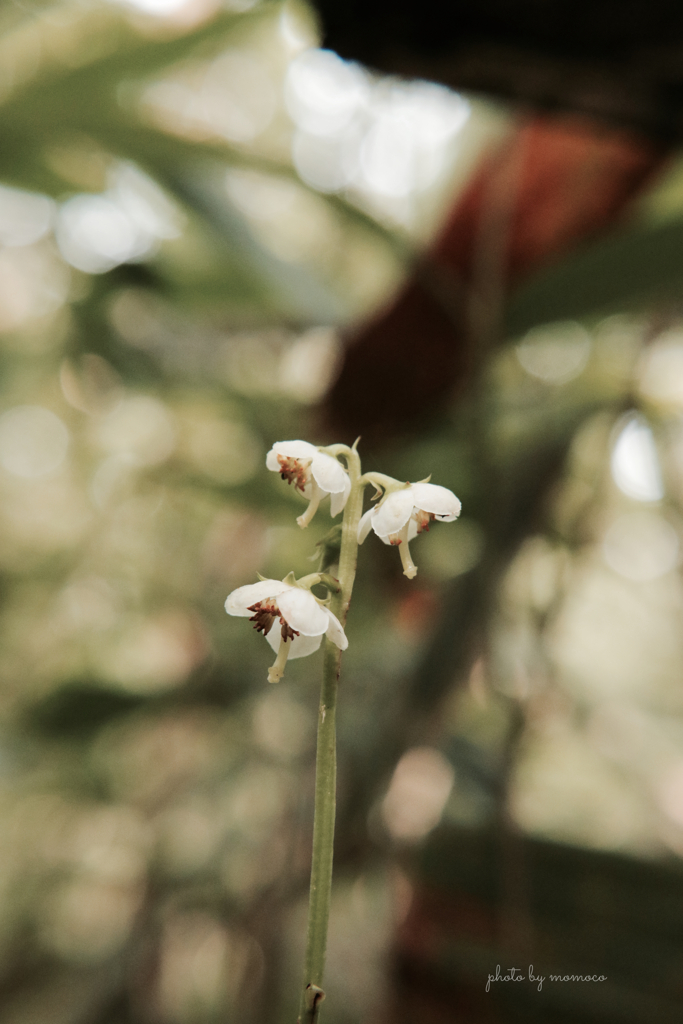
pixel 404 512
pixel 302 619
pixel 314 472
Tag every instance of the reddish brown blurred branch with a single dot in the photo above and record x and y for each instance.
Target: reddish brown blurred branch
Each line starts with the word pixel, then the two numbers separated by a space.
pixel 553 184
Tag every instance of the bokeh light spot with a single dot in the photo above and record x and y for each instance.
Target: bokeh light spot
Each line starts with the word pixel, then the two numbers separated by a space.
pixel 309 365
pixel 641 546
pixel 555 353
pixel 634 462
pixel 238 98
pixel 98 232
pixel 33 442
pixel 323 92
pixel 419 788
pixel 661 370
pixel 139 428
pixel 25 217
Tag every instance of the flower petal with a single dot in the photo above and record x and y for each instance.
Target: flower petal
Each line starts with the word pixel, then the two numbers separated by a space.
pixel 365 524
pixel 301 645
pixel 338 499
pixel 292 450
pixel 271 461
pixel 239 601
pixel 302 612
pixel 439 501
pixel 412 533
pixel 335 631
pixel 289 450
pixel 393 512
pixel 329 474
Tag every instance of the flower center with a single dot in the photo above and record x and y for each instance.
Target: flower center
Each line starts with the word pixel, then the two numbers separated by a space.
pixel 293 471
pixel 423 519
pixel 265 613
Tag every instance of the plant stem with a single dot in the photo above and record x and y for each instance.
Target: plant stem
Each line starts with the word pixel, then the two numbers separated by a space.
pixel 323 840
pixel 326 762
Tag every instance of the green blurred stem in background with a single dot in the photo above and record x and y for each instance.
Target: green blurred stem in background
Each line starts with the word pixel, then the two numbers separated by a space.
pixel 326 756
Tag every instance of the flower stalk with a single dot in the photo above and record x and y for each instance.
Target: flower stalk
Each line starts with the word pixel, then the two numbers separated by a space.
pixel 312 993
pixel 294 620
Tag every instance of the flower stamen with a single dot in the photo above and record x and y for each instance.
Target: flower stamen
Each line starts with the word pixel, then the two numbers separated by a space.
pixel 423 519
pixel 265 613
pixel 294 471
pixel 286 631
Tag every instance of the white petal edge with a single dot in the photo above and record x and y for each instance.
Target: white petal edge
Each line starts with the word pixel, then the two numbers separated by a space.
pixel 240 600
pixel 437 500
pixel 271 461
pixel 365 524
pixel 335 631
pixel 329 474
pixel 394 512
pixel 290 450
pixel 301 645
pixel 302 612
pixel 338 499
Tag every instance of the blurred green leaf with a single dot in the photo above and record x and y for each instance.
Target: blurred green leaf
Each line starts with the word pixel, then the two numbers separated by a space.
pixel 78 709
pixel 626 270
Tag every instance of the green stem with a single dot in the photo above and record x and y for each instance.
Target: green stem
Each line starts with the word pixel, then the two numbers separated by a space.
pixel 348 554
pixel 326 762
pixel 387 483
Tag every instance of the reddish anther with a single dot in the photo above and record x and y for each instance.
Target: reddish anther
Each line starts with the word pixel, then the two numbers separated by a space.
pixel 265 613
pixel 293 471
pixel 423 519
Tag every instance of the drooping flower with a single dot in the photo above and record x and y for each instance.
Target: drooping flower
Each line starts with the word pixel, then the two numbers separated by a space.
pixel 313 472
pixel 405 512
pixel 291 618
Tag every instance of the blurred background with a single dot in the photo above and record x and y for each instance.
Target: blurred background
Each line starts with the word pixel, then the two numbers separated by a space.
pixel 458 233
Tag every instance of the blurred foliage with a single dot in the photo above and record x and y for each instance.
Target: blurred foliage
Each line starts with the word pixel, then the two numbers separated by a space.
pixel 173 278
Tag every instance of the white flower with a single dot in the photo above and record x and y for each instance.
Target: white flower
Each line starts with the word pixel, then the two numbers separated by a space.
pixel 302 619
pixel 407 511
pixel 313 472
